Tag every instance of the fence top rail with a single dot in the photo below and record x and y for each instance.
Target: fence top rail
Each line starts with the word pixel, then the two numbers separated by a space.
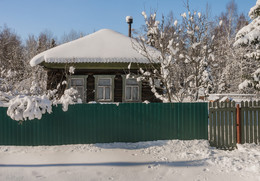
pixel 254 104
pixel 217 105
pixel 244 104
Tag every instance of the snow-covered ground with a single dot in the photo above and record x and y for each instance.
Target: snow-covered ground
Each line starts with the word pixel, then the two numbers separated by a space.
pixel 157 160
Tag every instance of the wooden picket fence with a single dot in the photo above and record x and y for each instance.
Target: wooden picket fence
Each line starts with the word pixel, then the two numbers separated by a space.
pixel 250 120
pixel 222 124
pixel 230 123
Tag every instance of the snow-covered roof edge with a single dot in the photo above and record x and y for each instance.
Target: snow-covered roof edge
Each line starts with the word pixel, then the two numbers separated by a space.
pixel 103 46
pixel 38 59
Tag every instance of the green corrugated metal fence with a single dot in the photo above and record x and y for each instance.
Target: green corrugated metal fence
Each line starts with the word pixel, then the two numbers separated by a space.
pixel 103 123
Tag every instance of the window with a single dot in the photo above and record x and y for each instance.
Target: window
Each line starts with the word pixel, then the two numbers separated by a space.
pixel 104 88
pixel 79 83
pixel 132 90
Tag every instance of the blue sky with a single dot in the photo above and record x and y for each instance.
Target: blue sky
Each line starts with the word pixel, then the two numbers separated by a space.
pixel 61 16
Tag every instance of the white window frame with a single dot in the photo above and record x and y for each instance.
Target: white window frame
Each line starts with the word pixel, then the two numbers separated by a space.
pixel 132 91
pixel 111 78
pixel 84 77
pixel 132 86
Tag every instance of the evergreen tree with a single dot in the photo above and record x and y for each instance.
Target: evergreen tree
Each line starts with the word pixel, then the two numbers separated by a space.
pixel 248 38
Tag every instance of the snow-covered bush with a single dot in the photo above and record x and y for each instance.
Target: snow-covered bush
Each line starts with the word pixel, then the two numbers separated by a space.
pixel 5 98
pixel 28 107
pixel 69 97
pixel 24 107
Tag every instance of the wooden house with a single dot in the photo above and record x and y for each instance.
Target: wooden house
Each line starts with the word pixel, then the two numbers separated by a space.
pixel 101 62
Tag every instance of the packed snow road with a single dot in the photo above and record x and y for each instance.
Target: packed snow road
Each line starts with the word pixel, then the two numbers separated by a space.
pixel 157 160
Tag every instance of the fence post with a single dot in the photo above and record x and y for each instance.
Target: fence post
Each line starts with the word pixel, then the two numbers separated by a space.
pixel 238 125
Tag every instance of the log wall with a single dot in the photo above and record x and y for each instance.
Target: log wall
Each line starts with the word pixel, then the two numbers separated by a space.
pixel 56 76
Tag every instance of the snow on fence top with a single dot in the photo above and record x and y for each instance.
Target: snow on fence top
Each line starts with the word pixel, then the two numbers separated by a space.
pixel 232 97
pixel 103 46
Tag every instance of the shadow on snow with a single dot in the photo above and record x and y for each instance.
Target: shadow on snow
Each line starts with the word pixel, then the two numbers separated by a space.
pixel 193 163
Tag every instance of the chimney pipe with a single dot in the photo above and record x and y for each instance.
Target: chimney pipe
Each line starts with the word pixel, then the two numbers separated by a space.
pixel 129 20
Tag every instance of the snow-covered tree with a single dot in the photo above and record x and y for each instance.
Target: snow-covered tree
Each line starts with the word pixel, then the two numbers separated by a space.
pixel 11 50
pixel 45 41
pixel 183 68
pixel 22 87
pixel 198 53
pixel 248 38
pixel 8 79
pixel 164 73
pixel 228 66
pixel 152 30
pixel 36 78
pixel 11 59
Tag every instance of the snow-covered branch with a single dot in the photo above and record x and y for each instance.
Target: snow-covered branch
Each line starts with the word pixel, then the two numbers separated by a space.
pixel 24 107
pixel 28 107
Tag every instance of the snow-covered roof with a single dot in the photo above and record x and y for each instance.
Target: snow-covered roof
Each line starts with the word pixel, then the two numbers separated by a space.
pixel 103 46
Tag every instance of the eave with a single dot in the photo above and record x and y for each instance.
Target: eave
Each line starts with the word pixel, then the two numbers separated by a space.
pixel 101 66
